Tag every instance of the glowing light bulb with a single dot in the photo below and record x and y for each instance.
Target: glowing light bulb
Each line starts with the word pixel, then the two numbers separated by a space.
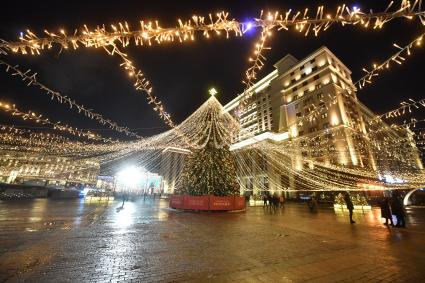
pixel 213 91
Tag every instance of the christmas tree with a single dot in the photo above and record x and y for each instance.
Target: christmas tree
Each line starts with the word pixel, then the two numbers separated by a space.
pixel 211 168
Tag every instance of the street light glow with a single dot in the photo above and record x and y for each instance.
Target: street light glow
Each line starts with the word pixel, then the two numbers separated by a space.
pixel 130 176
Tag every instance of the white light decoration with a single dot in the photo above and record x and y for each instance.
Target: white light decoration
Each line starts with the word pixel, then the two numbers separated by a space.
pixel 212 91
pixel 130 176
pixel 290 155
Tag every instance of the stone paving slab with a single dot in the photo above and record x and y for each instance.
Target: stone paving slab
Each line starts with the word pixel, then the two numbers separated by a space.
pixel 147 242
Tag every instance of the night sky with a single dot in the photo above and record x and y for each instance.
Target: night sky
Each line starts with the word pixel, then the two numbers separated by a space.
pixel 181 74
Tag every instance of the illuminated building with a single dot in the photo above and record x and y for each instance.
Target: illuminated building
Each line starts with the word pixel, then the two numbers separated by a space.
pixel 312 102
pixel 172 163
pixel 43 169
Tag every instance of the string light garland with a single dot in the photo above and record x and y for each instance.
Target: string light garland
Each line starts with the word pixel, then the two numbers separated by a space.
pixel 149 32
pixel 399 57
pixel 257 62
pixel 141 84
pixel 38 118
pixel 321 22
pixel 405 107
pixel 30 79
pixel 210 123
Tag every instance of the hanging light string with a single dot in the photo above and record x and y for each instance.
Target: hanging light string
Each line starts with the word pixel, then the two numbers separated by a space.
pixel 30 79
pixel 399 57
pixel 37 118
pixel 149 32
pixel 141 83
pixel 405 107
pixel 257 60
pixel 343 15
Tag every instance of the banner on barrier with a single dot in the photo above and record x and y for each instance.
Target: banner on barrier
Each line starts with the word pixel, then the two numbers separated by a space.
pixel 207 202
pixel 176 201
pixel 196 202
pixel 221 203
pixel 239 203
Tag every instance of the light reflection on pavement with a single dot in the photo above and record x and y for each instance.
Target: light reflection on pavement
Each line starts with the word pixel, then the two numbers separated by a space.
pixel 52 241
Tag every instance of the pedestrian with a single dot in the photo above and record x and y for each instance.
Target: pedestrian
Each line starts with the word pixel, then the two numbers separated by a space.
pixel 123 199
pixel 270 200
pixel 398 210
pixel 264 200
pixel 247 198
pixel 275 201
pixel 386 211
pixel 350 206
pixel 312 204
pixel 282 200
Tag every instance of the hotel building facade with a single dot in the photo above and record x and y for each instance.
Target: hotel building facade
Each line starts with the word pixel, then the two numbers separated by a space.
pixel 308 100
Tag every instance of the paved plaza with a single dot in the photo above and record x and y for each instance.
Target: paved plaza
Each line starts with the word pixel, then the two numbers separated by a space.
pixel 69 241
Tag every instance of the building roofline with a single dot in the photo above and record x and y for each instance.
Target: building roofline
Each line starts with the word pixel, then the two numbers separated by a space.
pixel 229 106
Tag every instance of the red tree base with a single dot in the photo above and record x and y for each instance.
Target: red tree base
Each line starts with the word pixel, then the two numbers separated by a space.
pixel 207 202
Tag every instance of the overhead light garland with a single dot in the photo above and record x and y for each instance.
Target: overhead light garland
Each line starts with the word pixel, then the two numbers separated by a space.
pixel 208 122
pixel 399 57
pixel 141 84
pixel 151 31
pixel 30 79
pixel 37 118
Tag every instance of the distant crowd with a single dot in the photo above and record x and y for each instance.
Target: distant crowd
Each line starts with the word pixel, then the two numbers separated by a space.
pixel 390 206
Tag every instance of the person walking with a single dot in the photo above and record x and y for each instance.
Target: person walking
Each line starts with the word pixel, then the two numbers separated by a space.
pixel 270 200
pixel 350 206
pixel 312 204
pixel 386 211
pixel 282 200
pixel 275 201
pixel 398 210
pixel 264 200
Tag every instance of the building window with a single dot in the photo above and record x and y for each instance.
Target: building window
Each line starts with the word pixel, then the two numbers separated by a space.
pixel 312 61
pixel 305 83
pixel 324 115
pixel 319 95
pixel 296 106
pixel 298 114
pixel 291 74
pixel 326 126
pixel 295 97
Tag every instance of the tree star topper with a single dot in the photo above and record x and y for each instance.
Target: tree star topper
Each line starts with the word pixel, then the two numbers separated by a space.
pixel 213 91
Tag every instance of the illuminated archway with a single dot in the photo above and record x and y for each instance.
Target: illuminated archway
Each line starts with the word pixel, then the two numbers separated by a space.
pixel 407 196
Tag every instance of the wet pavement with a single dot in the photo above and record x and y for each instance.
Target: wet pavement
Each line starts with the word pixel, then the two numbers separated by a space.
pixel 69 241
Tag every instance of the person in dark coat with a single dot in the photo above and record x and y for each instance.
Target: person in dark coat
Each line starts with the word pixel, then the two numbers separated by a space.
pixel 270 200
pixel 350 206
pixel 386 211
pixel 265 200
pixel 398 210
pixel 276 201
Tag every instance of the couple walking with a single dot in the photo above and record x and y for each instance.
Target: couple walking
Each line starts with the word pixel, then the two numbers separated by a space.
pixel 393 206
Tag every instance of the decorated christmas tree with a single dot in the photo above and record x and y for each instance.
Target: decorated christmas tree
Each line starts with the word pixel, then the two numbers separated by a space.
pixel 211 168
